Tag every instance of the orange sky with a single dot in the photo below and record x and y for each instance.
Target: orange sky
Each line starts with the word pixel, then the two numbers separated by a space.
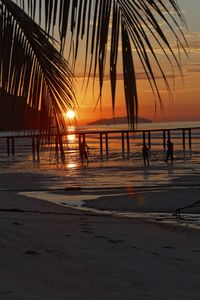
pixel 185 105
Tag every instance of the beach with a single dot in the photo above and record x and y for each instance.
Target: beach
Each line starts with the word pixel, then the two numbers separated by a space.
pixel 87 249
pixel 99 189
pixel 112 229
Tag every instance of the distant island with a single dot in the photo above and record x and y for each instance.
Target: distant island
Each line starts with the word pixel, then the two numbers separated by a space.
pixel 117 120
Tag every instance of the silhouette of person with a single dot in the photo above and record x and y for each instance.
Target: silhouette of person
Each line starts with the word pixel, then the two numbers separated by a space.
pixel 145 154
pixel 170 151
pixel 84 152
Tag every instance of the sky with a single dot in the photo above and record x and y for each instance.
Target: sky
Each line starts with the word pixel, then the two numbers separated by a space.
pixel 183 106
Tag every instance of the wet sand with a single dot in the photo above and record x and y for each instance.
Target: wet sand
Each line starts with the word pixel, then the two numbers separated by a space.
pixel 53 252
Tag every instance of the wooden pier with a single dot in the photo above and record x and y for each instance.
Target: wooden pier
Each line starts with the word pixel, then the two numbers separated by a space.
pixel 37 140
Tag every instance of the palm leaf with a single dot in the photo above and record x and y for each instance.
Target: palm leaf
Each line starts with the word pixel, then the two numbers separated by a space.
pixel 33 72
pixel 101 21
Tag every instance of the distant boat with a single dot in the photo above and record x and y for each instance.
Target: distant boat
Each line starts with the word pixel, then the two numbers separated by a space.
pixel 117 120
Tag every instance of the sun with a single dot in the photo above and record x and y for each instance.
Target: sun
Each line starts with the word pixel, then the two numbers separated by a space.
pixel 70 114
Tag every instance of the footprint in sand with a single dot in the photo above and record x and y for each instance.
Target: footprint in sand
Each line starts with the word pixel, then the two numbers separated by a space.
pixel 84 224
pixel 115 241
pixel 31 252
pixel 197 251
pixel 86 228
pixel 136 247
pixel 50 250
pixel 152 252
pixel 87 231
pixel 168 247
pixel 100 237
pixel 178 259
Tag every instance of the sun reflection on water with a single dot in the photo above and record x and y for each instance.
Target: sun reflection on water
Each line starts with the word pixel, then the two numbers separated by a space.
pixel 71 128
pixel 70 136
pixel 71 165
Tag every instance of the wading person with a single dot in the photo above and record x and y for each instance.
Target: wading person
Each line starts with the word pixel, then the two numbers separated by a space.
pixel 170 151
pixel 84 152
pixel 145 154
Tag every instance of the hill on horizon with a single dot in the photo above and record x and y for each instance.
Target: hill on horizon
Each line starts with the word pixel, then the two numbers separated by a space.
pixel 117 120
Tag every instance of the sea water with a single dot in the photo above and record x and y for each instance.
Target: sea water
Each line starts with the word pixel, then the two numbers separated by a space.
pixel 118 169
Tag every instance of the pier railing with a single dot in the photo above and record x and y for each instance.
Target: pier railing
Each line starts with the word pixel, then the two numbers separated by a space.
pixel 36 140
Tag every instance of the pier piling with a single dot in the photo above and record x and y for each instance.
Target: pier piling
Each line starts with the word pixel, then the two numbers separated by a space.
pixel 164 139
pixel 13 145
pixel 149 139
pixel 33 147
pixel 190 139
pixel 144 138
pixel 56 147
pixel 8 146
pixel 169 134
pixel 128 143
pixel 123 148
pixel 101 146
pixel 106 137
pixel 183 139
pixel 38 147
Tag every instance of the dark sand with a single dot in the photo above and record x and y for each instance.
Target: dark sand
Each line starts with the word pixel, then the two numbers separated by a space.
pixel 52 252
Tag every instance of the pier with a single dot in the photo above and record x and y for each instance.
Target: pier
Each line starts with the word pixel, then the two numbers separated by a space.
pixel 58 143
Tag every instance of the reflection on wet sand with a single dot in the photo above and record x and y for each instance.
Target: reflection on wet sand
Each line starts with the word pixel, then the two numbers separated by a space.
pixel 145 204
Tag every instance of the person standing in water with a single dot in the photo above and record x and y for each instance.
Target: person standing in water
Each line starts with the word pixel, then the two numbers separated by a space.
pixel 145 154
pixel 84 152
pixel 170 151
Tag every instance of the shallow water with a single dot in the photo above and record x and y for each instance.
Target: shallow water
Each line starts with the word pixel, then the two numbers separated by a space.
pixel 82 202
pixel 117 171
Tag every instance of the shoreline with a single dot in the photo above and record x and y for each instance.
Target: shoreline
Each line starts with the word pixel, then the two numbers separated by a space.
pixel 175 202
pixel 129 204
pixel 53 252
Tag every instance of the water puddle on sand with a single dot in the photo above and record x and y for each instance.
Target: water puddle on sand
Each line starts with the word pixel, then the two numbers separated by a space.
pixel 77 202
pixel 64 200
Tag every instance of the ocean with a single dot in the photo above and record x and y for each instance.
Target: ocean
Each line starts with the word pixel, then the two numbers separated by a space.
pixel 117 170
pixel 116 158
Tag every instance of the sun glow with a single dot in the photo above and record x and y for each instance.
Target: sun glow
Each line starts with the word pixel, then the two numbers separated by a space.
pixel 70 114
pixel 71 165
pixel 71 138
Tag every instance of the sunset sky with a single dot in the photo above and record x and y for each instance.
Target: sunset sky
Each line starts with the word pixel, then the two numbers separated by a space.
pixel 185 105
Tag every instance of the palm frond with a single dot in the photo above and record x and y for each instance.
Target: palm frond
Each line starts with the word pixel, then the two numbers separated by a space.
pixel 32 71
pixel 100 22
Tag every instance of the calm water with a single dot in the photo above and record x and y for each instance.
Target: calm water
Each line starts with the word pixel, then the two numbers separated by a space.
pixel 117 171
pixel 23 159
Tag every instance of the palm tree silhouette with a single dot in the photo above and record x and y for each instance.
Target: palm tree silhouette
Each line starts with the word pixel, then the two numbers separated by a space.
pixel 36 81
pixel 32 66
